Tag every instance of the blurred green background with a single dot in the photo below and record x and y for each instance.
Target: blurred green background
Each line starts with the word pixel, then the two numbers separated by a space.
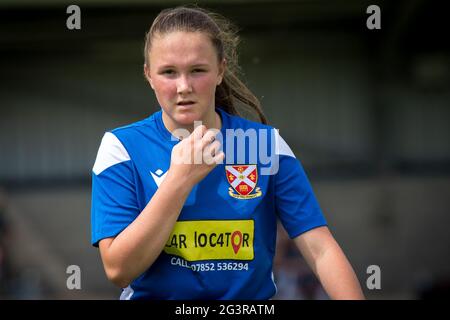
pixel 366 111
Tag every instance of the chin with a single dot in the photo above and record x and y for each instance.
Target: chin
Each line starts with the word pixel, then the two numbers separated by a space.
pixel 187 118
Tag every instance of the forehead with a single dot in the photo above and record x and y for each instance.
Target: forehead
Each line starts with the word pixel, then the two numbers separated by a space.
pixel 180 47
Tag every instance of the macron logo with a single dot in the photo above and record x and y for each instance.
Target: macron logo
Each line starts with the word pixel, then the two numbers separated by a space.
pixel 158 176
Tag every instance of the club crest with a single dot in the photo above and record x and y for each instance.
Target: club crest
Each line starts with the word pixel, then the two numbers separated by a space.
pixel 243 180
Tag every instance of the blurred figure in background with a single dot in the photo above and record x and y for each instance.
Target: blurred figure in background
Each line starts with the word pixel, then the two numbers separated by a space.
pixel 293 277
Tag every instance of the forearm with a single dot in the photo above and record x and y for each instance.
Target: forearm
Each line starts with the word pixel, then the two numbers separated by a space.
pixel 136 248
pixel 336 274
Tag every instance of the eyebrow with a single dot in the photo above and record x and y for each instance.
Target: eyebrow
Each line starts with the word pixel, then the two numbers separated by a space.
pixel 166 66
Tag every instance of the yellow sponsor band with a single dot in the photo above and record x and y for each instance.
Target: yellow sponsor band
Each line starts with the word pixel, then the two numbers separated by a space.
pixel 212 240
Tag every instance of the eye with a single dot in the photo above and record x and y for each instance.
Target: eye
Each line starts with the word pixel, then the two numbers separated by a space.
pixel 168 72
pixel 198 70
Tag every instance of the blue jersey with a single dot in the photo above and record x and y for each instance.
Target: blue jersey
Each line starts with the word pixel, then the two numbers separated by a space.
pixel 223 243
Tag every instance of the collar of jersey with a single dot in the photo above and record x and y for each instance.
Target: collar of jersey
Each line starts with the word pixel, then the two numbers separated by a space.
pixel 168 136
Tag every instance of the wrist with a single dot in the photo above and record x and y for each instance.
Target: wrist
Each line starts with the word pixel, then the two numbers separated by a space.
pixel 178 183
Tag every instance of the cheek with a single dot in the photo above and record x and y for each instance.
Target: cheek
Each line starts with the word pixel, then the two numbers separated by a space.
pixel 164 88
pixel 206 85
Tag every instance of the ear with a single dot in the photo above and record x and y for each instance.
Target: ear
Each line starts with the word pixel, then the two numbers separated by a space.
pixel 147 75
pixel 222 67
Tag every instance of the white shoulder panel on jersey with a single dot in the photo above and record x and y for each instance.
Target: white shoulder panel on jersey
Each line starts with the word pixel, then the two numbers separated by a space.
pixel 281 146
pixel 111 152
pixel 127 293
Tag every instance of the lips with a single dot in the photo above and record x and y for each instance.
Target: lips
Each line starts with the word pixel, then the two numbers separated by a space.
pixel 185 103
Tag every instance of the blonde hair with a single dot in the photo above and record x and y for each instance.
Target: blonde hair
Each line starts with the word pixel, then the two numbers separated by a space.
pixel 225 40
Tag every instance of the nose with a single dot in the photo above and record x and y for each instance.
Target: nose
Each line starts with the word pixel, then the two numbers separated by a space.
pixel 184 85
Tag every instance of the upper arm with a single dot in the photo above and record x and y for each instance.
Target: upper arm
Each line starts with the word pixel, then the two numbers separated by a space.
pixel 313 243
pixel 104 245
pixel 296 205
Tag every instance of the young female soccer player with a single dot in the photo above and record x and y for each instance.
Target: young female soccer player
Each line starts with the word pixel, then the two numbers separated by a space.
pixel 188 211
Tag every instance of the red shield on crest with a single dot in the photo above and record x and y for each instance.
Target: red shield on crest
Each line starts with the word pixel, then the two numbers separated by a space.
pixel 242 178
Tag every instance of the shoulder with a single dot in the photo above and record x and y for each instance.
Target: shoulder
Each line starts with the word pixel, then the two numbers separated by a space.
pixel 110 153
pixel 272 134
pixel 114 146
pixel 133 129
pixel 237 122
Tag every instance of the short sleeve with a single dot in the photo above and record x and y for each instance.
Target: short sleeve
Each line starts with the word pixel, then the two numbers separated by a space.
pixel 114 203
pixel 296 205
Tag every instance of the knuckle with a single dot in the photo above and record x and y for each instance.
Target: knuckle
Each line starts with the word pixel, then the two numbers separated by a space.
pixel 216 145
pixel 202 128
